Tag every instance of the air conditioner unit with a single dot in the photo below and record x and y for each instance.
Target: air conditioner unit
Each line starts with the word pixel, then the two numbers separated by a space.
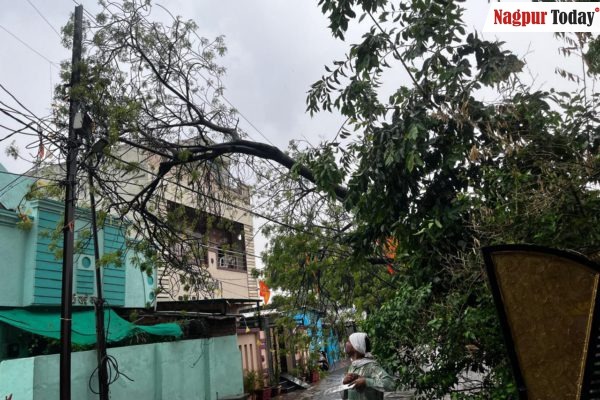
pixel 84 279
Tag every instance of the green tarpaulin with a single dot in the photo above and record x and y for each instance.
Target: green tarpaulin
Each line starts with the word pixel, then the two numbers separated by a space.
pixel 84 325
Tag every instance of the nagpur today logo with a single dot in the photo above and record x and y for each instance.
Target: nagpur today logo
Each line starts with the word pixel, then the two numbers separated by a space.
pixel 529 17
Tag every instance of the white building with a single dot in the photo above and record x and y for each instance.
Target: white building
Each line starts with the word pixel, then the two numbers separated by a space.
pixel 222 240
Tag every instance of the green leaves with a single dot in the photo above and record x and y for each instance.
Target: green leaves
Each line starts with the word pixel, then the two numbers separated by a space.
pixel 340 12
pixel 495 65
pixel 444 173
pixel 592 56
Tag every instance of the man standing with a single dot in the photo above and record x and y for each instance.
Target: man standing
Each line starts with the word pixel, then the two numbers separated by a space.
pixel 368 378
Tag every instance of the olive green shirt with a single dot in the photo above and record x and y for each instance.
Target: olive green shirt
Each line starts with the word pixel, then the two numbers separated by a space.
pixel 378 380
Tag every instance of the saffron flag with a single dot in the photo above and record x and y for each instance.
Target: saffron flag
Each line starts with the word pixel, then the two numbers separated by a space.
pixel 264 291
pixel 389 250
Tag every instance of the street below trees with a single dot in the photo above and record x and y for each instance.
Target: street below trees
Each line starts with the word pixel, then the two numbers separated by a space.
pixel 317 391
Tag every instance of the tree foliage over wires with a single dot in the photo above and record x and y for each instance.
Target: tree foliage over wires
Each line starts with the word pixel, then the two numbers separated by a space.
pixel 165 137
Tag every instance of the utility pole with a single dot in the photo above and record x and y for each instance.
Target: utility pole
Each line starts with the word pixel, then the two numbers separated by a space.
pixel 69 221
pixel 103 388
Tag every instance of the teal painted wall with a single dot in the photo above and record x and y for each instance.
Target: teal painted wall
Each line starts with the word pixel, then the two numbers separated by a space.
pixel 188 369
pixel 48 278
pixel 31 273
pixel 12 248
pixel 114 276
pixel 139 287
pixel 17 379
pixel 225 364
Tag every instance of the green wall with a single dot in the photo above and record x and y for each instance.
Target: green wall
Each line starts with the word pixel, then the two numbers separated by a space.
pixel 31 273
pixel 187 369
pixel 113 276
pixel 48 279
pixel 12 249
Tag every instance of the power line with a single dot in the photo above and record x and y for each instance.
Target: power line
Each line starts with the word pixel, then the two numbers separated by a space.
pixel 10 185
pixel 44 18
pixel 29 47
pixel 30 176
pixel 232 284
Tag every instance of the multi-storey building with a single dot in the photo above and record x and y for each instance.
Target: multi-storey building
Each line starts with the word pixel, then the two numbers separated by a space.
pixel 222 233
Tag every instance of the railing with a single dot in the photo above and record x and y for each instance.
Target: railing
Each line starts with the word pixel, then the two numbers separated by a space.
pixel 229 259
pixel 226 259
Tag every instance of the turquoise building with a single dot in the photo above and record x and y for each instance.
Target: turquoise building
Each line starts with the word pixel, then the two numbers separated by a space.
pixel 323 338
pixel 31 281
pixel 31 264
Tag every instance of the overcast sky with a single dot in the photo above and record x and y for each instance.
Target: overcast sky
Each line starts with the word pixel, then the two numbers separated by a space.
pixel 276 50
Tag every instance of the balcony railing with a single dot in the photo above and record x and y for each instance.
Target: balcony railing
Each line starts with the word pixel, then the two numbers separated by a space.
pixel 229 259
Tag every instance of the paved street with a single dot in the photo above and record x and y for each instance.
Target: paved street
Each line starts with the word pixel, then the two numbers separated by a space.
pixel 332 380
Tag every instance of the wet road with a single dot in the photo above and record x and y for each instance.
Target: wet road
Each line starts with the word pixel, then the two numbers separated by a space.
pixel 330 381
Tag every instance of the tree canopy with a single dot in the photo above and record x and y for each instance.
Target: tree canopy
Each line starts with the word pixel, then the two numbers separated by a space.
pixel 441 173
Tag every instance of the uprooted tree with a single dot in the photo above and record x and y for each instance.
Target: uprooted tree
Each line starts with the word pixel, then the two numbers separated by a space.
pixel 390 215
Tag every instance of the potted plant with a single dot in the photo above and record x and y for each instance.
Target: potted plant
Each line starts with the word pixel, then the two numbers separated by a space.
pixel 250 383
pixel 315 375
pixel 274 382
pixel 263 392
pixel 313 367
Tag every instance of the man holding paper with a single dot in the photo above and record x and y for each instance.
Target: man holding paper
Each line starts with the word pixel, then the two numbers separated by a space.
pixel 368 379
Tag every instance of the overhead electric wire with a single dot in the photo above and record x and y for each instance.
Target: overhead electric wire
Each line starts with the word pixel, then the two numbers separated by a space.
pixel 13 183
pixel 24 174
pixel 29 47
pixel 32 117
pixel 44 18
